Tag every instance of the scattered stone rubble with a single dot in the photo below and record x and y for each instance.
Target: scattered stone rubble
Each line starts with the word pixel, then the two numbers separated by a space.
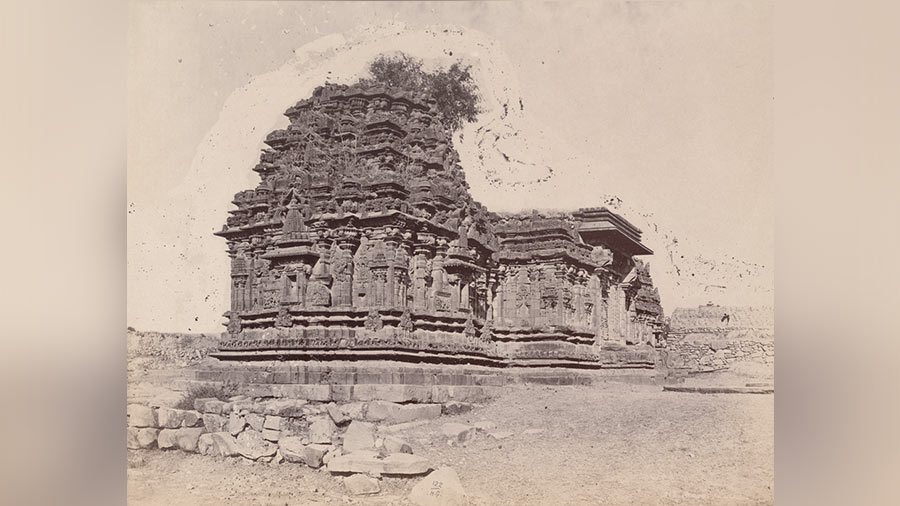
pixel 356 442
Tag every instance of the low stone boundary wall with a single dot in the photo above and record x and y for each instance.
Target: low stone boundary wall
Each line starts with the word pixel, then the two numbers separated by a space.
pixel 709 351
pixel 292 430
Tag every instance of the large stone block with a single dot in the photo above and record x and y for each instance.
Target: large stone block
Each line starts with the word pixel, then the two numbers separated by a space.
pixel 131 438
pixel 394 413
pixel 169 418
pixel 251 445
pixel 366 462
pixel 166 439
pixel 211 405
pixel 214 423
pixel 186 438
pixel 440 488
pixel 141 416
pixel 393 444
pixel 218 444
pixel 293 450
pixel 359 436
pixel 321 430
pixel 236 424
pixel 285 407
pixel 405 464
pixel 272 422
pixel 146 437
pixel 359 484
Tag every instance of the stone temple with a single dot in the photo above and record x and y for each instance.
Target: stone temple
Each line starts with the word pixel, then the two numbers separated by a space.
pixel 362 243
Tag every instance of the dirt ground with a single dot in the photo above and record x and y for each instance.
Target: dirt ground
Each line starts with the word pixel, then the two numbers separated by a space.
pixel 606 444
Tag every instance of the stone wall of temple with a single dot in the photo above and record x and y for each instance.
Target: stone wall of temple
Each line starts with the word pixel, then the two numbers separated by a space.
pixel 362 238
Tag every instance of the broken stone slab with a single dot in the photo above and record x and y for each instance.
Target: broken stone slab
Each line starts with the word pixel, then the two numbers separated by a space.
pixel 400 427
pixel 146 437
pixel 321 430
pixel 354 410
pixel 405 464
pixel 458 432
pixel 359 484
pixel 235 424
pixel 393 413
pixel 214 423
pixel 440 488
pixel 218 444
pixel 360 461
pixel 359 436
pixel 294 450
pixel 255 421
pixel 456 408
pixel 251 445
pixel 338 416
pixel 141 416
pixel 271 435
pixel 393 444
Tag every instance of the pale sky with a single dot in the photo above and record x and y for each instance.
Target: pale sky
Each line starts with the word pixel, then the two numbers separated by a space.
pixel 670 102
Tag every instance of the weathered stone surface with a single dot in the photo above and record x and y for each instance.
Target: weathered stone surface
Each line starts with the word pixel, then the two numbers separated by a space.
pixel 354 410
pixel 393 444
pixel 255 421
pixel 272 422
pixel 252 445
pixel 271 435
pixel 321 430
pixel 285 407
pixel 294 450
pixel 359 484
pixel 186 438
pixel 214 423
pixel 166 439
pixel 458 432
pixel 131 438
pixel 394 413
pixel 141 416
pixel 484 425
pixel 236 424
pixel 338 416
pixel 456 408
pixel 147 436
pixel 360 461
pixel 169 418
pixel 359 436
pixel 405 464
pixel 440 488
pixel 219 444
pixel 213 406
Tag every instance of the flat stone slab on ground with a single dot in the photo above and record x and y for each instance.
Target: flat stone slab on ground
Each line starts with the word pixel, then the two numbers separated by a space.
pixel 366 462
pixel 405 464
pixel 360 484
pixel 252 445
pixel 440 488
pixel 458 432
pixel 293 450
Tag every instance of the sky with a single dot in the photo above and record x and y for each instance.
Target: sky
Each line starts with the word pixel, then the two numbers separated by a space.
pixel 667 105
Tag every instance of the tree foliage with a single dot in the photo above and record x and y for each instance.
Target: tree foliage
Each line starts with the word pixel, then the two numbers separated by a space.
pixel 453 89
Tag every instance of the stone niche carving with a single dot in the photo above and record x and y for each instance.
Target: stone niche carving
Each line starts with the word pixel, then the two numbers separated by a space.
pixel 362 221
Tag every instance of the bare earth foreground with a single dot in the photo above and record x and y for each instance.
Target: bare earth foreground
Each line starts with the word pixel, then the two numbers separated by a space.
pixel 611 443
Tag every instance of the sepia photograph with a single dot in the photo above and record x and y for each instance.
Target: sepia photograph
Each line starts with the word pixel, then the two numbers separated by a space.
pixel 450 253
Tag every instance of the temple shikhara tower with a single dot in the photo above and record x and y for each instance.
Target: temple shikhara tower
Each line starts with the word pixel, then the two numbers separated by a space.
pixel 361 241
